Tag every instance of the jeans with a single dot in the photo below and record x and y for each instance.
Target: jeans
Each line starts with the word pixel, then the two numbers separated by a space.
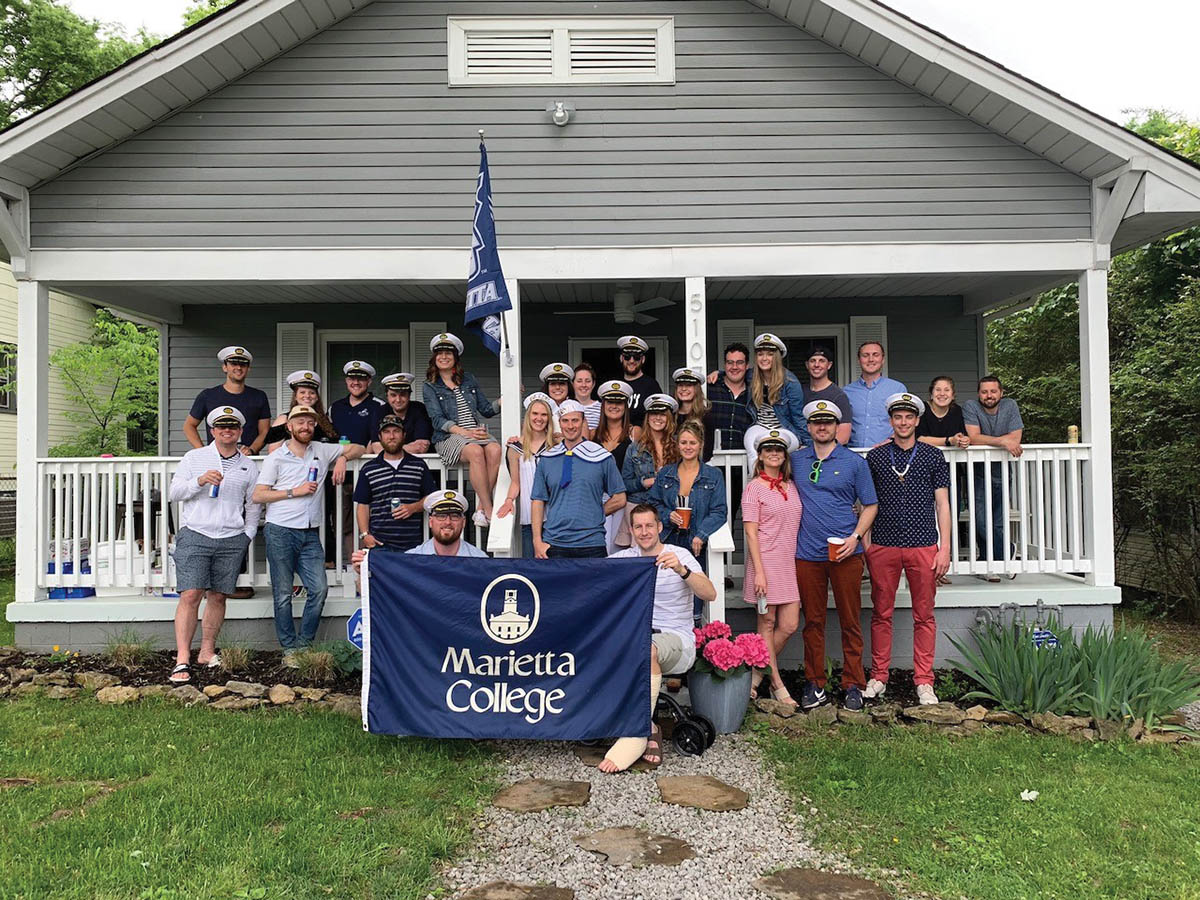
pixel 578 552
pixel 527 542
pixel 292 550
pixel 995 475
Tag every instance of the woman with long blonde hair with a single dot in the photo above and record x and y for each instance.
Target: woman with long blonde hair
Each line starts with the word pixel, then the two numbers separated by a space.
pixel 693 405
pixel 537 436
pixel 776 397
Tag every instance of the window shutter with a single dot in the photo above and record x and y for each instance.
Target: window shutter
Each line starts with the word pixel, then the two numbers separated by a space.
pixel 293 350
pixel 510 54
pixel 420 334
pixel 868 328
pixel 595 53
pixel 731 330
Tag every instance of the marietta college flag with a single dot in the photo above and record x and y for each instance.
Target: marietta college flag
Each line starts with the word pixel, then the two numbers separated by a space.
pixel 506 648
pixel 487 294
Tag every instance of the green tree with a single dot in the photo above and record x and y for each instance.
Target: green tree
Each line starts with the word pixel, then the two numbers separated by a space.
pixel 202 9
pixel 47 51
pixel 114 380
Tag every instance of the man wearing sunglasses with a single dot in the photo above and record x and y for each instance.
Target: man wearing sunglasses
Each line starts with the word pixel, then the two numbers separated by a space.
pixel 633 358
pixel 831 479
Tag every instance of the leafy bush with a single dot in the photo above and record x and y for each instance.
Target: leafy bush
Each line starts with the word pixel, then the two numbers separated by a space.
pixel 1106 675
pixel 346 657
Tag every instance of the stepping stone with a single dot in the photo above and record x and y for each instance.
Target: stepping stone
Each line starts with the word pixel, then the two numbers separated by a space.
pixel 538 794
pixel 702 792
pixel 592 755
pixel 635 847
pixel 812 884
pixel 507 890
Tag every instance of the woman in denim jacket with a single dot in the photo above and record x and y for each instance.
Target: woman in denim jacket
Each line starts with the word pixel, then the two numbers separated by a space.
pixel 457 407
pixel 654 448
pixel 776 397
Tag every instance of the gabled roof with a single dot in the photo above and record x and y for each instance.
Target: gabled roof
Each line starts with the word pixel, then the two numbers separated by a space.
pixel 246 34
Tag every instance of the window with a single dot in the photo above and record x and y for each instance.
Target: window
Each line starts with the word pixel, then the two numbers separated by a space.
pixel 572 50
pixel 383 349
pixel 8 375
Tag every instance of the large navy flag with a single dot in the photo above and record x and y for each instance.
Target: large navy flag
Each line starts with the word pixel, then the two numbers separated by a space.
pixel 487 294
pixel 506 648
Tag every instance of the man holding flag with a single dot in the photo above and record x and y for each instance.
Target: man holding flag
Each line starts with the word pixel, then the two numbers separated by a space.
pixel 487 294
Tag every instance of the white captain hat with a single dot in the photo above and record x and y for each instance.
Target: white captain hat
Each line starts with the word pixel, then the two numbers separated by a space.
pixel 761 436
pixel 616 390
pixel 304 378
pixel 446 341
pixel 359 368
pixel 661 403
pixel 768 341
pixel 235 355
pixel 632 342
pixel 822 410
pixel 399 381
pixel 911 402
pixel 443 501
pixel 544 397
pixel 225 415
pixel 686 375
pixel 557 371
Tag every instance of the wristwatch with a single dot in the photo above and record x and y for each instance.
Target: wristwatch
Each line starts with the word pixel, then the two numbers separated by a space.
pixel 947 442
pixel 686 573
pixel 289 494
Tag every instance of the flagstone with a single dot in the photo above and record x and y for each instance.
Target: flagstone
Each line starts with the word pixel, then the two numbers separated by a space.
pixel 592 754
pixel 507 890
pixel 626 846
pixel 813 884
pixel 702 792
pixel 537 794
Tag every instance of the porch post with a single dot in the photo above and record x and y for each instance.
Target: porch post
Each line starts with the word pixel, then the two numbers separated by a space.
pixel 697 326
pixel 1097 423
pixel 501 539
pixel 33 364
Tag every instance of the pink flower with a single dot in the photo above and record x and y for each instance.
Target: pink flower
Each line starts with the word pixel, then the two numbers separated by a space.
pixel 700 638
pixel 754 649
pixel 717 630
pixel 723 654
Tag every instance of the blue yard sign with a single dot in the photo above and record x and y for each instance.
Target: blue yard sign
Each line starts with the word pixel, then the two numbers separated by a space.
pixel 487 294
pixel 354 629
pixel 507 648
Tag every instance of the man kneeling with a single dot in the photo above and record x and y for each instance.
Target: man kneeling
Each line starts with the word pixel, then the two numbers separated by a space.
pixel 672 642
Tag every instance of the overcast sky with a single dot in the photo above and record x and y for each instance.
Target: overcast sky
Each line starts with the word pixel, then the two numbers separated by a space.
pixel 1108 55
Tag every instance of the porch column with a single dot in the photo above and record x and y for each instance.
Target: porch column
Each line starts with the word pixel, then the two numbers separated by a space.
pixel 697 327
pixel 1097 423
pixel 501 535
pixel 33 365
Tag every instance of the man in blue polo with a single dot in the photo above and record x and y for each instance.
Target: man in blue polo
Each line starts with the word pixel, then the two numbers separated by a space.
pixel 831 479
pixel 572 478
pixel 868 398
pixel 389 491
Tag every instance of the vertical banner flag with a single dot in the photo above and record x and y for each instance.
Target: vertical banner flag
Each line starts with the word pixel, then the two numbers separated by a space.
pixel 487 294
pixel 506 648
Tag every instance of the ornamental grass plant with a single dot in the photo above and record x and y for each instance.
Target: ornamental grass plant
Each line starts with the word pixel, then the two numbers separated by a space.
pixel 1102 674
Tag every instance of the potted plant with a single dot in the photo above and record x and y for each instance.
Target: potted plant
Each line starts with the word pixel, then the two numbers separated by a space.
pixel 719 682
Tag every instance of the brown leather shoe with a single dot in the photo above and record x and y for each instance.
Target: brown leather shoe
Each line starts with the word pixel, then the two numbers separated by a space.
pixel 242 593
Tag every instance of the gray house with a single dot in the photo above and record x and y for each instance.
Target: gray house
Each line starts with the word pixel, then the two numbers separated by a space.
pixel 298 176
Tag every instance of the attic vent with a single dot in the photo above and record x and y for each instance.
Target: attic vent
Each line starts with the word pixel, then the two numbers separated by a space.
pixel 568 50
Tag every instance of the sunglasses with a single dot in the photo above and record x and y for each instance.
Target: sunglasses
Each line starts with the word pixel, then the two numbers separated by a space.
pixel 227 427
pixel 815 475
pixel 633 355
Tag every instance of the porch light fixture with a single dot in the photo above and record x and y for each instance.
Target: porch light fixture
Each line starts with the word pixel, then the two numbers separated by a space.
pixel 560 113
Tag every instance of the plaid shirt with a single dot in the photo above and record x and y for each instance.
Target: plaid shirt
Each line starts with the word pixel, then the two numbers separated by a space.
pixel 730 415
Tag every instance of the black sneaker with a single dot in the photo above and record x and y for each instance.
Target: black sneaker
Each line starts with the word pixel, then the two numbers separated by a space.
pixel 854 699
pixel 813 696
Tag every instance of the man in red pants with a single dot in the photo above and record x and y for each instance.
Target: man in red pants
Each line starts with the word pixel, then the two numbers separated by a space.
pixel 912 480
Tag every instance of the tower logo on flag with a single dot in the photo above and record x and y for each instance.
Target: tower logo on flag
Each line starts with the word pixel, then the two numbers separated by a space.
pixel 510 608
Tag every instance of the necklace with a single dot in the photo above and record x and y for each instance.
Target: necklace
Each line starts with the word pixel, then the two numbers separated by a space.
pixel 900 473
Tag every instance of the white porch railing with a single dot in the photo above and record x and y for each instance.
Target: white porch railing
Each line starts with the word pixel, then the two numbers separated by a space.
pixel 109 515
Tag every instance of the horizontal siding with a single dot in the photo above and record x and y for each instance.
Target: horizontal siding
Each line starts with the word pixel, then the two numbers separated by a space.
pixel 353 138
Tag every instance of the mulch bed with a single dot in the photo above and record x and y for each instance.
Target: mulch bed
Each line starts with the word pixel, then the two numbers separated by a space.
pixel 949 684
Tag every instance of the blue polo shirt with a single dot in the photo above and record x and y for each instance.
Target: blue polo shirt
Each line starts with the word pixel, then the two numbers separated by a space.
pixel 359 423
pixel 871 423
pixel 829 503
pixel 575 516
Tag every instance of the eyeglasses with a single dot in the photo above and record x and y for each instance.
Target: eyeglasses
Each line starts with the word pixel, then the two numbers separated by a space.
pixel 815 475
pixel 633 355
pixel 447 515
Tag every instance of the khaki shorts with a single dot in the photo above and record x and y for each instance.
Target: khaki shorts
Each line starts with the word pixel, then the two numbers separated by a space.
pixel 670 650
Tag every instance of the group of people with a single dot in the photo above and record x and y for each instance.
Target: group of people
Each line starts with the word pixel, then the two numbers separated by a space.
pixel 617 467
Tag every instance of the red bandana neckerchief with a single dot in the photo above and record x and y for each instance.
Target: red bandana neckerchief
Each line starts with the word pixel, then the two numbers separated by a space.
pixel 774 484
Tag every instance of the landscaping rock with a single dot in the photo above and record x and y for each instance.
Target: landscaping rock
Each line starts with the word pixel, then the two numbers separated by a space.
pixel 213 691
pixel 233 701
pixel 1062 725
pixel 1082 735
pixel 885 713
pixel 1003 717
pixel 25 687
pixel 58 692
pixel 812 884
pixel 47 678
pixel 823 715
pixel 281 695
pixel 977 713
pixel 1175 718
pixel 16 676
pixel 1161 737
pixel 246 688
pixel 312 694
pixel 188 695
pixel 1136 729
pixel 154 690
pixel 507 890
pixel 854 717
pixel 538 794
pixel 93 681
pixel 702 792
pixel 636 847
pixel 776 708
pixel 117 694
pixel 4 690
pixel 937 714
pixel 1108 730
pixel 10 655
pixel 345 704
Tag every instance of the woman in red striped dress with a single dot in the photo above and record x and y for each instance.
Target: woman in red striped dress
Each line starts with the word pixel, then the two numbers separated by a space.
pixel 771 515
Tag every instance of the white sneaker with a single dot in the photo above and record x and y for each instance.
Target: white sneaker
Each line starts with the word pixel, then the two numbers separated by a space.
pixel 926 696
pixel 875 688
pixel 480 520
pixel 289 660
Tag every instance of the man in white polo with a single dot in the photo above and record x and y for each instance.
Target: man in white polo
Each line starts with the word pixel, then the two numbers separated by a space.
pixel 290 486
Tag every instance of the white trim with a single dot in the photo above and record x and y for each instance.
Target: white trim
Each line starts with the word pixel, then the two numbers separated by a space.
pixel 841 372
pixel 33 364
pixel 326 336
pixel 1096 424
pixel 164 379
pixel 721 261
pixel 695 342
pixel 660 343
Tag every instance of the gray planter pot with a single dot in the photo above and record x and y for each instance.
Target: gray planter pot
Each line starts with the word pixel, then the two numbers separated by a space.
pixel 721 700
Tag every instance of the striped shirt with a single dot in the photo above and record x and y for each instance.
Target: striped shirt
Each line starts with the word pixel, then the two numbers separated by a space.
pixel 591 414
pixel 233 510
pixel 463 416
pixel 767 417
pixel 379 480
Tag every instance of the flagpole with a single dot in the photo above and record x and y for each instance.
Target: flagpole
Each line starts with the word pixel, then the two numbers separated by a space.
pixel 508 358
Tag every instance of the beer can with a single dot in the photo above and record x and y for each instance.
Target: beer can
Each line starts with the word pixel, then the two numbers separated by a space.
pixel 214 490
pixel 312 473
pixel 394 503
pixel 1072 434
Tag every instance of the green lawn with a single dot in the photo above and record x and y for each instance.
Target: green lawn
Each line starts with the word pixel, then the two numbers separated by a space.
pixel 155 801
pixel 1112 820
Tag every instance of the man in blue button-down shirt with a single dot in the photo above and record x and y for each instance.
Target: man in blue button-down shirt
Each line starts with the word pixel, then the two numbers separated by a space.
pixel 868 397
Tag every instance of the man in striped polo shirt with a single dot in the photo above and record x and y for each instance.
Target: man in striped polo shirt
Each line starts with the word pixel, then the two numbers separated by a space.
pixel 389 491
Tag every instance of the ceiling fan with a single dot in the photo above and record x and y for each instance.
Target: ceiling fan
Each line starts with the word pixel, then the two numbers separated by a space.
pixel 626 310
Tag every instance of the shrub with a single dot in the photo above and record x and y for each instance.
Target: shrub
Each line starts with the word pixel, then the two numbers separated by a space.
pixel 315 664
pixel 1106 674
pixel 128 649
pixel 235 658
pixel 346 657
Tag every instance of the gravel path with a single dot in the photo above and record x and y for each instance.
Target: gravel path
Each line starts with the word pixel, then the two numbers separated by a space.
pixel 732 848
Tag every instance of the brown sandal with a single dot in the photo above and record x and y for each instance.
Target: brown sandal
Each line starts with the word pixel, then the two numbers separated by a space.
pixel 653 754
